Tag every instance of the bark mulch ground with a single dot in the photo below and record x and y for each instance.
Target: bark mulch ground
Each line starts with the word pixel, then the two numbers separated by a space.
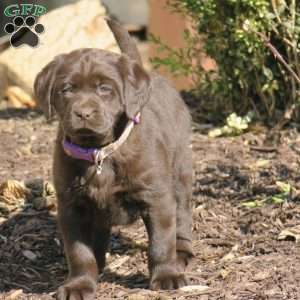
pixel 246 196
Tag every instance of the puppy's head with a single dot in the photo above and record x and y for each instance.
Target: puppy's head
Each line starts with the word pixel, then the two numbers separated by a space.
pixel 93 92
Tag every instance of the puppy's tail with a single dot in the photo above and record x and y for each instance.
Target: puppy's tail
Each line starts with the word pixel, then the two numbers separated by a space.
pixel 125 42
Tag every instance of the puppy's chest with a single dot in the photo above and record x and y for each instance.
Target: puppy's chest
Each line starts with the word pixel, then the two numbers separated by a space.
pixel 106 187
pixel 111 192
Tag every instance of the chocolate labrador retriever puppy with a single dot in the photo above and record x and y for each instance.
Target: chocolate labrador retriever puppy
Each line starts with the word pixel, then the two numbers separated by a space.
pixel 122 151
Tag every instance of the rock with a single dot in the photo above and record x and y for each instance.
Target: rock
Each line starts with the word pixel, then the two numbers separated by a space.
pixel 42 194
pixel 40 203
pixel 79 25
pixel 36 186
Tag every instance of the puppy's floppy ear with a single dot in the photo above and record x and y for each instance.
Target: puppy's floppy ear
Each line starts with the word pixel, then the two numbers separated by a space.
pixel 136 86
pixel 43 86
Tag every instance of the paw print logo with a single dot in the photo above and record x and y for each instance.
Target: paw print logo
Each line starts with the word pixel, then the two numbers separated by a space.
pixel 24 31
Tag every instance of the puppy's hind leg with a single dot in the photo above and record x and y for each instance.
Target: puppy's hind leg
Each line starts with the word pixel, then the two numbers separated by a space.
pixel 183 195
pixel 160 221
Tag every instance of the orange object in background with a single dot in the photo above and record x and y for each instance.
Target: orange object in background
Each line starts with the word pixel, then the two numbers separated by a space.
pixel 169 27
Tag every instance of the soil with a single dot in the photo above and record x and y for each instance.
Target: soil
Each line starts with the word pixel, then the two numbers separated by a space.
pixel 238 253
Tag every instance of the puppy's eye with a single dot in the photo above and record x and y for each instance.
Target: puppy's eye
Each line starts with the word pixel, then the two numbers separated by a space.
pixel 104 89
pixel 66 88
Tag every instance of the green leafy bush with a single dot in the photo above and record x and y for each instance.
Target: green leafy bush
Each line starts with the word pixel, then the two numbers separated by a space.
pixel 242 37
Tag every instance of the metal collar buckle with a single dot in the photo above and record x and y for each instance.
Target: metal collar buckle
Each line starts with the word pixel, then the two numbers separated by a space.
pixel 99 159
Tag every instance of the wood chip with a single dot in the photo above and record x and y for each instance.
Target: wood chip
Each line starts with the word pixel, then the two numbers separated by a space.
pixel 29 254
pixel 194 288
pixel 14 294
pixel 137 297
pixel 118 263
pixel 290 233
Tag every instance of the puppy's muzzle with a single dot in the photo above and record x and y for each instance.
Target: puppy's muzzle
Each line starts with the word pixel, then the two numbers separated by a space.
pixel 83 114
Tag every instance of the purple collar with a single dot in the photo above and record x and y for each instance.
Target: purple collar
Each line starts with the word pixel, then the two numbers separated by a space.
pixel 94 154
pixel 78 152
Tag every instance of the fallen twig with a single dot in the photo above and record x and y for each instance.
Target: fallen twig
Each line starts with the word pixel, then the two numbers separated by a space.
pixel 263 149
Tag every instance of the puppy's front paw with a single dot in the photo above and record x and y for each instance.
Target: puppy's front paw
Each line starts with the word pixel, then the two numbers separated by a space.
pixel 167 277
pixel 77 288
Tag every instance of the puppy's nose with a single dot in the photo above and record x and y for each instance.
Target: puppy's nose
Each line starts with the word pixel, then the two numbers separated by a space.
pixel 83 113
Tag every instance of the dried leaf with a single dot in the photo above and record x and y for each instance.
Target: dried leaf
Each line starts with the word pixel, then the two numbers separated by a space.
pixel 49 189
pixel 13 189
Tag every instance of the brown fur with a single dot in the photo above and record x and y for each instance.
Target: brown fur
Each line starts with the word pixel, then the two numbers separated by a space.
pixel 150 175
